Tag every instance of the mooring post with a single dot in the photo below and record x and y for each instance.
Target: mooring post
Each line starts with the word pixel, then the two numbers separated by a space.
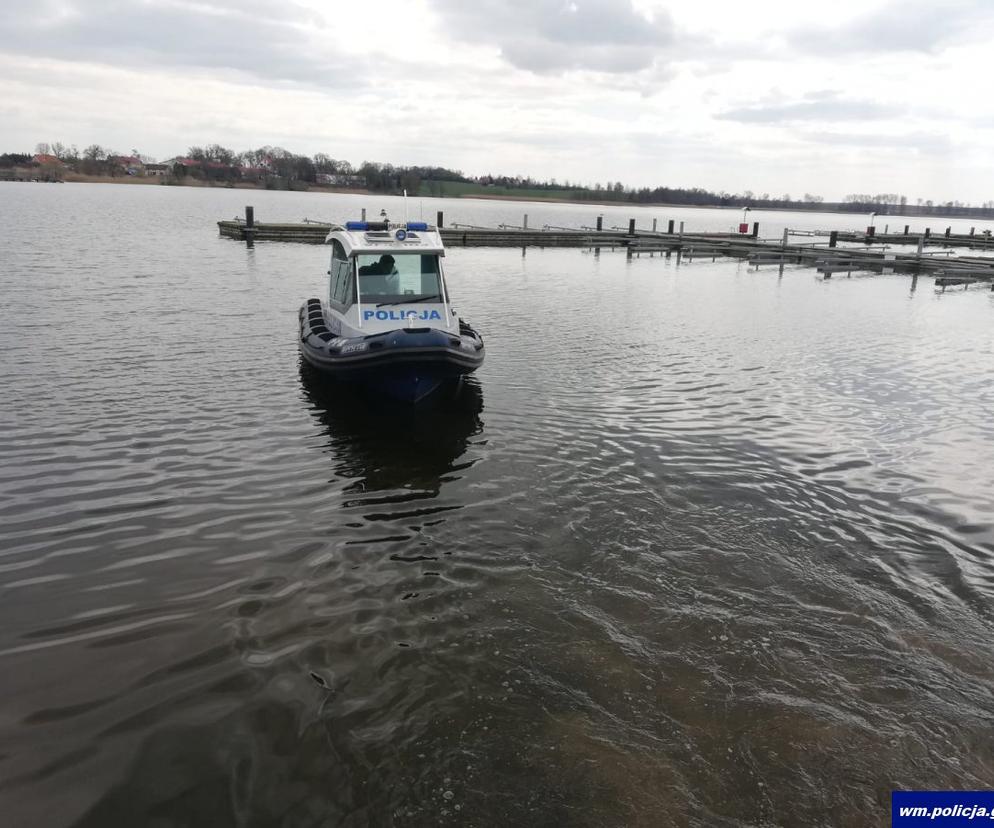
pixel 438 220
pixel 886 229
pixel 363 213
pixel 949 231
pixel 907 229
pixel 928 232
pixel 631 227
pixel 524 222
pixel 755 229
pixel 972 230
pixel 921 243
pixel 833 238
pixel 786 235
pixel 654 225
pixel 871 232
pixel 249 225
pixel 671 226
pixel 600 222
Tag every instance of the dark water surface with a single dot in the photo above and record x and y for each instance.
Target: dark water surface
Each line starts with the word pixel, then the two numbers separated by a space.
pixel 698 545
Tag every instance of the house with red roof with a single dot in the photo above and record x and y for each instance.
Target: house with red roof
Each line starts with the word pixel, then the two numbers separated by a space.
pixel 131 164
pixel 46 160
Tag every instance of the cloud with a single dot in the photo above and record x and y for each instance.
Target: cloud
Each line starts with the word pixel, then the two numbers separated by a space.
pixel 923 142
pixel 264 40
pixel 925 27
pixel 557 36
pixel 828 108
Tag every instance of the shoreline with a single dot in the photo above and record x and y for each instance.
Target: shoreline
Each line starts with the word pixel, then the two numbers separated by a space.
pixel 149 180
pixel 78 178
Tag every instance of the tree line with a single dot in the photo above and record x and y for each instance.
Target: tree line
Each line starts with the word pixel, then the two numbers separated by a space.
pixel 280 168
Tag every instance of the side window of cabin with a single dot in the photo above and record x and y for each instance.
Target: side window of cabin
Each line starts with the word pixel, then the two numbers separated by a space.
pixel 346 284
pixel 342 283
pixel 339 283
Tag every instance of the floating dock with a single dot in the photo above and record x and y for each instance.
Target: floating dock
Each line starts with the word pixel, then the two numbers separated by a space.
pixel 868 251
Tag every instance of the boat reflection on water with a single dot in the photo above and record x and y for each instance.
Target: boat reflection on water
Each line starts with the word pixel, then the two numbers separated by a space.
pixel 292 751
pixel 383 444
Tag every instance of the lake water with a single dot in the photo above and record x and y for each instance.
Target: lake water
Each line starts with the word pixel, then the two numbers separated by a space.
pixel 699 545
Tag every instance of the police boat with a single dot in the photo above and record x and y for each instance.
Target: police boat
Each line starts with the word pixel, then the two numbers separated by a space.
pixel 387 321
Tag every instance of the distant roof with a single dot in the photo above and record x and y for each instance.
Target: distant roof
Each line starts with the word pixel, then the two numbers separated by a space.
pixel 44 158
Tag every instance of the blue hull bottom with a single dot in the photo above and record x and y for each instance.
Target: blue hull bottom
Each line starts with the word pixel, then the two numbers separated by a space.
pixel 406 383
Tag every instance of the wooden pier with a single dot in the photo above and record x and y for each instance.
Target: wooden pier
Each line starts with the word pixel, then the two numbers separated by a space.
pixel 867 252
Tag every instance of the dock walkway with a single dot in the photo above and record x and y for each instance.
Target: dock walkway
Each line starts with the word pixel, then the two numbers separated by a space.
pixel 867 252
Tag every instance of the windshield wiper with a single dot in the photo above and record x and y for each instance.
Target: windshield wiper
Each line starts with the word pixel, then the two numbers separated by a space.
pixel 410 300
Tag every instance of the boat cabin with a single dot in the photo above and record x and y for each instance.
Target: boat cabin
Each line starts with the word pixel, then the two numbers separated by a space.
pixel 386 272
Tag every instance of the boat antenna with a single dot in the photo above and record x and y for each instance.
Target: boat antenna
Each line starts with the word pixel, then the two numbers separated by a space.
pixel 405 208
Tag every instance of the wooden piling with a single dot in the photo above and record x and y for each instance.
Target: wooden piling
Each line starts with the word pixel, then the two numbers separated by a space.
pixel 671 227
pixel 907 229
pixel 928 232
pixel 438 220
pixel 600 222
pixel 833 238
pixel 654 225
pixel 755 229
pixel 631 227
pixel 524 222
pixel 949 232
pixel 249 225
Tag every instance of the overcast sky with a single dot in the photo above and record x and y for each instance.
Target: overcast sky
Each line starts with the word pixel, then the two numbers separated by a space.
pixel 774 96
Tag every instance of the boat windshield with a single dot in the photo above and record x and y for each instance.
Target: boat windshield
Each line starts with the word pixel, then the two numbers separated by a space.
pixel 399 277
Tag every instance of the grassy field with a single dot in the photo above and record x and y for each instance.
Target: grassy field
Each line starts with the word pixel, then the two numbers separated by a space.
pixel 455 189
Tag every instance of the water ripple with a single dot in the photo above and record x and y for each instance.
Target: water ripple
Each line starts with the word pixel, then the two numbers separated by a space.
pixel 699 540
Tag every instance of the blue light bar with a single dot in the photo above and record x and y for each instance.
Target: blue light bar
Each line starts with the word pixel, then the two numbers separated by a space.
pixel 417 225
pixel 356 225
